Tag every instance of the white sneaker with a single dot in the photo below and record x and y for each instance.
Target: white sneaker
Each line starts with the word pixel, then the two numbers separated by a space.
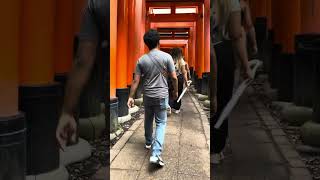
pixel 176 111
pixel 156 160
pixel 147 146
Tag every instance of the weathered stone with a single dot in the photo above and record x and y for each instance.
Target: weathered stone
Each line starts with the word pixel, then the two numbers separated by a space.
pixel 202 97
pixel 91 128
pixel 296 116
pixel 133 109
pixel 310 133
pixel 206 103
pixel 75 153
pixel 119 131
pixel 138 102
pixel 308 149
pixel 112 136
pixel 124 119
pixel 281 105
pixel 61 173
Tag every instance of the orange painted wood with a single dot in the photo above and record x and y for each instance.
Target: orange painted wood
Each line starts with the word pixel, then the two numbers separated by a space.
pixel 122 43
pixel 9 54
pixel 194 40
pixel 113 48
pixel 135 36
pixel 78 9
pixel 64 35
pixel 269 14
pixel 206 63
pixel 200 44
pixel 37 42
pixel 310 13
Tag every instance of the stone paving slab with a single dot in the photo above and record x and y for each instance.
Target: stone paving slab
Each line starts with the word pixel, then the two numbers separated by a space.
pixel 185 152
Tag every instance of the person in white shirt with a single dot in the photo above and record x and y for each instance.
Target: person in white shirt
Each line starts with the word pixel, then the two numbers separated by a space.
pixel 182 75
pixel 228 32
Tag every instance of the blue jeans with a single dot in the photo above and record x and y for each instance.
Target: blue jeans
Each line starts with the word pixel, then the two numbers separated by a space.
pixel 155 108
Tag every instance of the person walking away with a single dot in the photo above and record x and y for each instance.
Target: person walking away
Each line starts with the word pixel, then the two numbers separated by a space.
pixel 228 32
pixel 182 75
pixel 92 42
pixel 154 67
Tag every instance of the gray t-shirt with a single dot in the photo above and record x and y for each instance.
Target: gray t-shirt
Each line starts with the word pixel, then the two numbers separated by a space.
pixel 154 82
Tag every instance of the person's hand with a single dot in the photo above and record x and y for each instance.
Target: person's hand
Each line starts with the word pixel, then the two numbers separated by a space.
pixel 130 102
pixel 247 73
pixel 67 128
pixel 175 95
pixel 255 50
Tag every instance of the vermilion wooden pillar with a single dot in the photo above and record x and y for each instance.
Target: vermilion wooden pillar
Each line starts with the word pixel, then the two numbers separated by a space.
pixel 9 48
pixel 200 43
pixel 113 48
pixel 194 49
pixel 64 36
pixel 122 91
pixel 37 43
pixel 135 36
pixel 269 13
pixel 38 94
pixel 310 12
pixel 122 43
pixel 12 122
pixel 206 63
pixel 291 24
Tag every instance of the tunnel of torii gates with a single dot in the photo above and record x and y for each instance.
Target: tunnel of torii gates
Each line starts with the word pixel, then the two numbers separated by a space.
pixel 183 24
pixel 37 53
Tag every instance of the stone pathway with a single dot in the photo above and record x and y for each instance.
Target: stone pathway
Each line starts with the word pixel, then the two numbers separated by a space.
pixel 254 155
pixel 186 151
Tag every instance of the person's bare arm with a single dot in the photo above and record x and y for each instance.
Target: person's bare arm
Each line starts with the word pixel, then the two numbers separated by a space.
pixel 133 89
pixel 134 85
pixel 79 74
pixel 78 77
pixel 250 28
pixel 235 33
pixel 185 75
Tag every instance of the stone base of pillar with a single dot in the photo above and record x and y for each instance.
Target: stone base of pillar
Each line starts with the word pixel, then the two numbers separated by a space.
pixel 60 173
pixel 310 133
pixel 124 119
pixel 274 66
pixel 41 106
pixel 205 83
pixel 113 114
pixel 296 116
pixel 75 153
pixel 285 78
pixel 13 147
pixel 92 128
pixel 134 109
pixel 123 95
pixel 199 85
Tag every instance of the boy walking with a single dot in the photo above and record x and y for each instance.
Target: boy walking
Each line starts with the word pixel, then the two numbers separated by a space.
pixel 154 67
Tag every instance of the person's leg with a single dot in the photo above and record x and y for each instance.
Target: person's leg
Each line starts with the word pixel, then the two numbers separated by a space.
pixel 225 82
pixel 161 121
pixel 148 122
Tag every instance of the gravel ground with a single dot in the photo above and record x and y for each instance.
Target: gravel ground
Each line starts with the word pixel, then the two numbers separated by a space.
pixel 293 133
pixel 84 170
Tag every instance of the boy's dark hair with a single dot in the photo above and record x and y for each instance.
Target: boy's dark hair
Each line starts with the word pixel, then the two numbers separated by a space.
pixel 151 38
